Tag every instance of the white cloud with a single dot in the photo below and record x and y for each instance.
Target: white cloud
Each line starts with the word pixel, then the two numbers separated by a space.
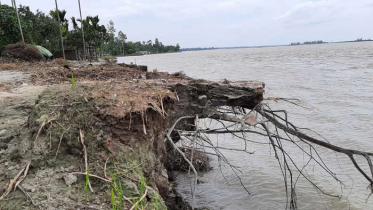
pixel 226 22
pixel 322 11
pixel 311 12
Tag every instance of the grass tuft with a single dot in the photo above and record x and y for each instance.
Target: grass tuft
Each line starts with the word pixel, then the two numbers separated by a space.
pixel 72 80
pixel 119 190
pixel 108 57
pixel 86 184
pixel 156 202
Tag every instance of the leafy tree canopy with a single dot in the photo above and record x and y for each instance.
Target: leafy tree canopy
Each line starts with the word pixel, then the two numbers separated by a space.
pixel 43 29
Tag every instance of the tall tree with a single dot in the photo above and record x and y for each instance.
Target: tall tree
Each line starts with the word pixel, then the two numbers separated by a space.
pixel 81 25
pixel 9 29
pixel 156 45
pixel 59 22
pixel 19 21
pixel 122 40
pixel 61 18
pixel 111 31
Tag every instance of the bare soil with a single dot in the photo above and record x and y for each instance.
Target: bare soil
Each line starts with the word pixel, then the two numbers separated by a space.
pixel 42 118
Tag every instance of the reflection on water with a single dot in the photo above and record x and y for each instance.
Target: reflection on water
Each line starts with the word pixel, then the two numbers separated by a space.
pixel 335 84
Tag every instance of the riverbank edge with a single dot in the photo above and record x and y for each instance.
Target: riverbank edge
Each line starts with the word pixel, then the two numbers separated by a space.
pixel 35 70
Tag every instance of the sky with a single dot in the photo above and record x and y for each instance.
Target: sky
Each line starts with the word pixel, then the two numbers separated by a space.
pixel 226 23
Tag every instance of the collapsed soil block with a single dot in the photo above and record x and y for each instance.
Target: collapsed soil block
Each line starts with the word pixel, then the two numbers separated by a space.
pixel 123 133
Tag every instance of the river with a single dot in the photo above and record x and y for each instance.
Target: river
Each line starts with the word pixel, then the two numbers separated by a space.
pixel 334 83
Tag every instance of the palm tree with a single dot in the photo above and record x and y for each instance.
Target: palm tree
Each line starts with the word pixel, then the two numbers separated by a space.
pixel 103 36
pixel 96 30
pixel 19 22
pixel 80 11
pixel 59 23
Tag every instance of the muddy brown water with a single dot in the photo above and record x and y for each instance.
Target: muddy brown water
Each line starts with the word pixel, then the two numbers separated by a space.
pixel 333 82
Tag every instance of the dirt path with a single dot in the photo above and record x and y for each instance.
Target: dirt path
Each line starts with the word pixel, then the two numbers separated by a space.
pixel 17 96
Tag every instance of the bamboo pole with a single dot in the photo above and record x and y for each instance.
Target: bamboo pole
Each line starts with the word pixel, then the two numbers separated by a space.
pixel 19 21
pixel 59 23
pixel 81 25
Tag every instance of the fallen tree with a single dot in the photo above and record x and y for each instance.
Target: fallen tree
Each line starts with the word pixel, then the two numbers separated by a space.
pixel 240 110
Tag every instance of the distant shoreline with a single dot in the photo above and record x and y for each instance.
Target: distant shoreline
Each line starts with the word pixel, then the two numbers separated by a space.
pixel 244 47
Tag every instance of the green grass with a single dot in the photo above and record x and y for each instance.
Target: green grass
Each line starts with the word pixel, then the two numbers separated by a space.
pixel 156 202
pixel 142 191
pixel 142 188
pixel 119 190
pixel 86 184
pixel 72 81
pixel 108 57
pixel 113 200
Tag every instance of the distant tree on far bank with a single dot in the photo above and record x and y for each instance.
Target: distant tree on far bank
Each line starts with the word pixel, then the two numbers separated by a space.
pixel 309 42
pixel 314 42
pixel 117 45
pixel 362 40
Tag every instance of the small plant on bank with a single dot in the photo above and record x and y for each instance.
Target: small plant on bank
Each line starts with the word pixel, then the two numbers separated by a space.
pixel 119 190
pixel 142 191
pixel 86 184
pixel 113 200
pixel 142 186
pixel 134 201
pixel 72 81
pixel 108 57
pixel 156 202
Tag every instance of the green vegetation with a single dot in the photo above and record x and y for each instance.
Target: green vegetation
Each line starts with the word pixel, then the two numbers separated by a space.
pixel 362 40
pixel 43 29
pixel 9 31
pixel 72 80
pixel 135 192
pixel 143 186
pixel 86 184
pixel 108 57
pixel 142 189
pixel 119 190
pixel 156 202
pixel 113 200
pixel 117 45
pixel 309 42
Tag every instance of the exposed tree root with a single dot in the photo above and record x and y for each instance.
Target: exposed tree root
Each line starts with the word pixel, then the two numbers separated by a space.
pixel 262 121
pixel 182 154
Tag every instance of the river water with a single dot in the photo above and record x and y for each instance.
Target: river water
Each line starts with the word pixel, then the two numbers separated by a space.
pixel 334 83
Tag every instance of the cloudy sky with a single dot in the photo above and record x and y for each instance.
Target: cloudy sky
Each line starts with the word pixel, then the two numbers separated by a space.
pixel 220 23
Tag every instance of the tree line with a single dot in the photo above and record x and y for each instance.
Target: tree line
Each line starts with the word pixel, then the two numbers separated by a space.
pixel 43 29
pixel 308 42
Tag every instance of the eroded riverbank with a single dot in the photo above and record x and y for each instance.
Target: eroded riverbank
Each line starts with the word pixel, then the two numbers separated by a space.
pixel 333 84
pixel 109 120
